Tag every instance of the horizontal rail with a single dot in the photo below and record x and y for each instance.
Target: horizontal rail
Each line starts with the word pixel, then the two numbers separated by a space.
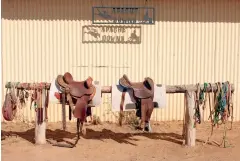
pixel 108 89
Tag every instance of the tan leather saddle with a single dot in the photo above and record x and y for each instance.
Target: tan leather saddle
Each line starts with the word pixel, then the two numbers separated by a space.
pixel 143 93
pixel 78 94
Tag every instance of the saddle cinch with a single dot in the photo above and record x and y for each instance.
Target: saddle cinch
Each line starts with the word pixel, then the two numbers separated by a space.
pixel 79 93
pixel 143 93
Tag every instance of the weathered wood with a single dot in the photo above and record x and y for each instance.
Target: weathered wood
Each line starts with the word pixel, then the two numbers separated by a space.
pixel 28 86
pixel 40 129
pixel 108 89
pixel 178 88
pixel 190 133
pixel 193 88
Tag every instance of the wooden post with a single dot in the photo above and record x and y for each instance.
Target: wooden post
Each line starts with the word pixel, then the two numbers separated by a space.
pixel 190 133
pixel 40 129
pixel 64 110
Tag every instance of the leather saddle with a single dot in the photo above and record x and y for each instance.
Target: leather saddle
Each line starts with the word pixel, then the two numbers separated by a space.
pixel 143 89
pixel 79 93
pixel 143 93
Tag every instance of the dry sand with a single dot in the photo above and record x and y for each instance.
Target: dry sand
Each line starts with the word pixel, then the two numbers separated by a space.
pixel 109 142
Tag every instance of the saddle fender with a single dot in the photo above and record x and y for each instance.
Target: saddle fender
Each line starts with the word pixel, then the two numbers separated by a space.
pixel 80 110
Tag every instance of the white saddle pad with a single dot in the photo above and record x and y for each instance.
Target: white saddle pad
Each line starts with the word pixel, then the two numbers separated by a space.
pixel 129 102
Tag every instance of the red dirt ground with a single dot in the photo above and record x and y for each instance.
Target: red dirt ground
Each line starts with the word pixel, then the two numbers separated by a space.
pixel 109 142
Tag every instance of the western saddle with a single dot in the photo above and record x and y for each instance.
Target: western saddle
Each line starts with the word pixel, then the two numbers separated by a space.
pixel 143 93
pixel 78 94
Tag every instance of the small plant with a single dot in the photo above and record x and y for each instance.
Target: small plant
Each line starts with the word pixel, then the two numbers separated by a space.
pixel 120 119
pixel 96 120
pixel 131 119
pixel 125 117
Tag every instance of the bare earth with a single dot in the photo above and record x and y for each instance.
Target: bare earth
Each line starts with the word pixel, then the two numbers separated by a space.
pixel 109 142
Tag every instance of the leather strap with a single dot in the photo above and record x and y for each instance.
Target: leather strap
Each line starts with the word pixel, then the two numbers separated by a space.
pixel 228 99
pixel 69 99
pixel 122 101
pixel 197 104
pixel 36 106
pixel 21 96
pixel 33 97
pixel 93 94
pixel 40 108
pixel 146 110
pixel 219 85
pixel 69 113
pixel 46 105
pixel 121 107
pixel 231 104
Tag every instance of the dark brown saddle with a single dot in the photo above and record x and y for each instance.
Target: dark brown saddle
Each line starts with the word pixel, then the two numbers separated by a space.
pixel 144 89
pixel 143 93
pixel 79 93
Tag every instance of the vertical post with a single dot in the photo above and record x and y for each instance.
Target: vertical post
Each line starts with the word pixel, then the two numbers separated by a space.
pixel 64 110
pixel 40 129
pixel 190 133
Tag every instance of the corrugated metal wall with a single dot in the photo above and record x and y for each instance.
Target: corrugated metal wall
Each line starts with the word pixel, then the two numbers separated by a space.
pixel 191 42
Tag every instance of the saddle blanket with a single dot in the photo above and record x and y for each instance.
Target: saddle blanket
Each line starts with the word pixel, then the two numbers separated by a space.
pixel 159 99
pixel 55 91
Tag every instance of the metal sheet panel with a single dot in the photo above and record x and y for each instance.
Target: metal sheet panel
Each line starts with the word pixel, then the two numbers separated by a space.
pixel 190 42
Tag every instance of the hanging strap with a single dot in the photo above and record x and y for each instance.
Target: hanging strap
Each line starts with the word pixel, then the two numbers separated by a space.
pixel 39 107
pixel 230 104
pixel 197 103
pixel 46 105
pixel 210 107
pixel 121 107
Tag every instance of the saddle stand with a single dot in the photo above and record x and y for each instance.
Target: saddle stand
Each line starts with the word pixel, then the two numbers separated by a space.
pixel 78 95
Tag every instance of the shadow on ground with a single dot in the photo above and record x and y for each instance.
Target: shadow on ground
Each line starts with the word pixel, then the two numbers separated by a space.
pixel 127 138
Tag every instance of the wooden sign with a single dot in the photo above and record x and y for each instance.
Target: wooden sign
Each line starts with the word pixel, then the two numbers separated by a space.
pixel 111 34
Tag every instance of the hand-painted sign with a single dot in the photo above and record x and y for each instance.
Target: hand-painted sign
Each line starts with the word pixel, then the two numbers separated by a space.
pixel 123 15
pixel 111 34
